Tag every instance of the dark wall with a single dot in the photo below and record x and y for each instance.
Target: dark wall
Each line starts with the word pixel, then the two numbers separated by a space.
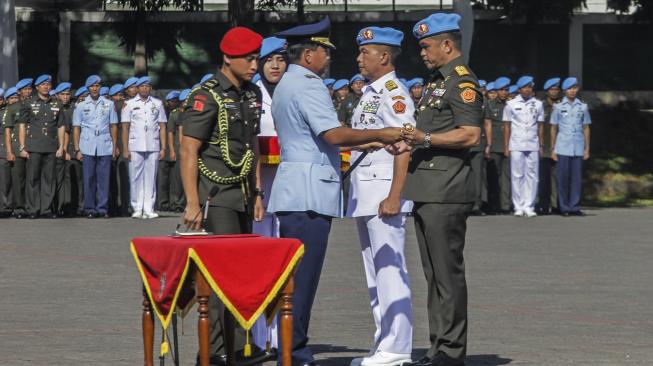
pixel 38 49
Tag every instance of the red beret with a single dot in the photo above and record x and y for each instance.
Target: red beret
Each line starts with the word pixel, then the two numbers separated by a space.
pixel 240 41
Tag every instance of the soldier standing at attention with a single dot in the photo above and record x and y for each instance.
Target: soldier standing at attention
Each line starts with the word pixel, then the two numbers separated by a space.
pixel 340 94
pixel 166 164
pixel 548 187
pixel 497 165
pixel 176 196
pixel 7 156
pixel 24 88
pixel 346 110
pixel 63 197
pixel 440 182
pixel 416 87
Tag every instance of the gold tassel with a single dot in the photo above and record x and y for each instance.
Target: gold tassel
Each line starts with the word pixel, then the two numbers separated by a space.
pixel 247 351
pixel 165 347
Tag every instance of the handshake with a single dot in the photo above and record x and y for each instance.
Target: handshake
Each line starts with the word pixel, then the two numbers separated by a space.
pixel 396 140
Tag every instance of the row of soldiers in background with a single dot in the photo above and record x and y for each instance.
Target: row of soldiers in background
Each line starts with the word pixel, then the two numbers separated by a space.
pixel 41 174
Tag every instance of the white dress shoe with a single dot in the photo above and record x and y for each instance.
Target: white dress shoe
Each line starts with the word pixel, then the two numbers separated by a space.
pixel 150 215
pixel 137 215
pixel 382 358
pixel 530 214
pixel 519 213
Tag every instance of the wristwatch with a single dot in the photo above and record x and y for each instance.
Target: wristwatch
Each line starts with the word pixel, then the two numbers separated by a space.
pixel 427 140
pixel 259 192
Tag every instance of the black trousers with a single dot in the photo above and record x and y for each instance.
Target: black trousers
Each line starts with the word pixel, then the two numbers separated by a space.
pixel 547 186
pixel 119 185
pixel 479 174
pixel 41 183
pixel 441 230
pixel 163 184
pixel 498 182
pixel 60 182
pixel 18 174
pixel 6 194
pixel 74 187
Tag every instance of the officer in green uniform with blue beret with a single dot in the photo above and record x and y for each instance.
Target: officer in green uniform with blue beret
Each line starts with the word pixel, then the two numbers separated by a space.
pixel 498 165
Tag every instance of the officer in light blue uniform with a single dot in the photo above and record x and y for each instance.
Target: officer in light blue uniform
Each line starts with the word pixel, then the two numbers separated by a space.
pixel 570 135
pixel 306 190
pixel 95 124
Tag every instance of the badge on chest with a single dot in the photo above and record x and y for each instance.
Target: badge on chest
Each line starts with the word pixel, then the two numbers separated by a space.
pixel 371 106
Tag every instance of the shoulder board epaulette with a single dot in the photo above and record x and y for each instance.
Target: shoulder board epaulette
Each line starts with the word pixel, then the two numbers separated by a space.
pixel 391 85
pixel 466 85
pixel 311 76
pixel 209 84
pixel 461 70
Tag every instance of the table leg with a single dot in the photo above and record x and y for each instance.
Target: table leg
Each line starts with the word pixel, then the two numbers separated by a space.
pixel 148 331
pixel 286 323
pixel 203 292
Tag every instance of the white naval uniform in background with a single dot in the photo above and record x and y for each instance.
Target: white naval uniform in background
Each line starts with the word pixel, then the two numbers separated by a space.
pixel 382 239
pixel 146 117
pixel 524 145
pixel 270 225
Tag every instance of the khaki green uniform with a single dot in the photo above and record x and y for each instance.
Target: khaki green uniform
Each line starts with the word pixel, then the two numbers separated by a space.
pixel 346 108
pixel 6 195
pixel 230 209
pixel 176 198
pixel 11 120
pixel 440 183
pixel 479 172
pixel 547 185
pixel 498 166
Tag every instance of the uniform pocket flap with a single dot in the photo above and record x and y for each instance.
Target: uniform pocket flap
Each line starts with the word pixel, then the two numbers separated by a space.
pixel 375 173
pixel 326 173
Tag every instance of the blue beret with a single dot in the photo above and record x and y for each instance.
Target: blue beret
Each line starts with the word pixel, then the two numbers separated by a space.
pixel 490 86
pixel 512 89
pixel 184 95
pixel 272 45
pixel 501 82
pixel 2 92
pixel 356 77
pixel 380 35
pixel 104 90
pixel 129 82
pixel 198 85
pixel 62 87
pixel 92 80
pixel 524 81
pixel 256 78
pixel 482 83
pixel 115 89
pixel 24 83
pixel 11 92
pixel 51 93
pixel 569 82
pixel 329 82
pixel 551 83
pixel 80 91
pixel 313 33
pixel 173 95
pixel 205 78
pixel 42 79
pixel 340 84
pixel 414 82
pixel 436 23
pixel 143 80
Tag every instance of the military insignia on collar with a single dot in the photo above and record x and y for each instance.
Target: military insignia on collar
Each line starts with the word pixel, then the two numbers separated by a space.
pixel 468 95
pixel 423 28
pixel 399 107
pixel 466 85
pixel 391 85
pixel 311 76
pixel 461 70
pixel 398 97
pixel 368 34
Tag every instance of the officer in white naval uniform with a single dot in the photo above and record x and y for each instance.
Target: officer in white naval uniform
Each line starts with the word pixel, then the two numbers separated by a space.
pixel 375 198
pixel 524 119
pixel 273 65
pixel 144 142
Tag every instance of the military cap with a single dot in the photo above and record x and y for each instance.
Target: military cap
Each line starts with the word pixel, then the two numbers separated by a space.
pixel 129 82
pixel 569 82
pixel 80 91
pixel 205 78
pixel 51 93
pixel 184 94
pixel 104 90
pixel 551 83
pixel 11 92
pixel 380 35
pixel 357 77
pixel 256 78
pixel 143 80
pixel 272 45
pixel 482 83
pixel 339 84
pixel 490 86
pixel 525 81
pixel 329 82
pixel 414 82
pixel 115 89
pixel 92 80
pixel 435 24
pixel 173 95
pixel 24 83
pixel 2 92
pixel 512 89
pixel 62 87
pixel 196 86
pixel 42 79
pixel 501 82
pixel 309 33
pixel 240 41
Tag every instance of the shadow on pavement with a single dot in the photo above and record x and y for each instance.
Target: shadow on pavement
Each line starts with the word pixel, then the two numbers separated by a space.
pixel 486 360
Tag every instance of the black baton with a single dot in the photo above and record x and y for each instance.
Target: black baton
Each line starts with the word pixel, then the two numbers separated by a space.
pixel 355 164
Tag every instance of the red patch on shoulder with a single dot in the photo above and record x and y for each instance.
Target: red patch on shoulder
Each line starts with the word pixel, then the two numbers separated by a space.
pixel 399 107
pixel 200 97
pixel 198 106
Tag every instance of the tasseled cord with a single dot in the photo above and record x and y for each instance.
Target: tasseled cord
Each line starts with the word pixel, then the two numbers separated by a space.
pixel 247 351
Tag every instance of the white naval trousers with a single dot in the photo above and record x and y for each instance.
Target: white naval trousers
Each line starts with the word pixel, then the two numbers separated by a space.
pixel 382 246
pixel 524 168
pixel 142 176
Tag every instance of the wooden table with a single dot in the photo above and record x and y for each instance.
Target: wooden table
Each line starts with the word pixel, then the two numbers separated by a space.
pixel 203 290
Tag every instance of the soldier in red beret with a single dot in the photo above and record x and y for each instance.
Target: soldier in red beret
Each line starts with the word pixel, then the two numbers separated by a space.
pixel 220 148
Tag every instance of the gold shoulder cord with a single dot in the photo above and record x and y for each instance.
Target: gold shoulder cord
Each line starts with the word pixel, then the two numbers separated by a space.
pixel 245 164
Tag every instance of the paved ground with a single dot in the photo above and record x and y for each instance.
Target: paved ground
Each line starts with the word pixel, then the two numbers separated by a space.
pixel 547 291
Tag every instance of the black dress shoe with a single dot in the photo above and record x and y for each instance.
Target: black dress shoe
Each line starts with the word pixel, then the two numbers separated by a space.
pixel 442 359
pixel 106 216
pixel 424 361
pixel 565 214
pixel 32 216
pixel 90 216
pixel 52 216
pixel 577 213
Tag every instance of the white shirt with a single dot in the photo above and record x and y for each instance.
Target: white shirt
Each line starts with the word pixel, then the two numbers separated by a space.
pixel 144 117
pixel 524 116
pixel 267 123
pixel 384 103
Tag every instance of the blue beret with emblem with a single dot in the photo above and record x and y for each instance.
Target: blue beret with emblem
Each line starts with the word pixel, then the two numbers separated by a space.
pixel 339 84
pixel 173 95
pixel 42 79
pixel 24 83
pixel 329 82
pixel 92 80
pixel 525 81
pixel 490 86
pixel 80 91
pixel 380 35
pixel 104 90
pixel 115 89
pixel 256 78
pixel 482 83
pixel 184 95
pixel 129 82
pixel 205 78
pixel 512 89
pixel 569 82
pixel 501 83
pixel 272 45
pixel 357 77
pixel 143 80
pixel 62 87
pixel 309 33
pixel 11 92
pixel 551 83
pixel 435 24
